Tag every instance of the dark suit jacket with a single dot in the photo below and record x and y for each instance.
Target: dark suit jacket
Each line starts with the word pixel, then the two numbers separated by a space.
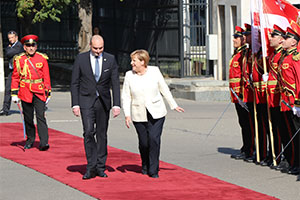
pixel 10 52
pixel 84 85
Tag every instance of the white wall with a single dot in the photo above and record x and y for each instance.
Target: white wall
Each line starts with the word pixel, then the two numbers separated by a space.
pixel 223 25
pixel 236 12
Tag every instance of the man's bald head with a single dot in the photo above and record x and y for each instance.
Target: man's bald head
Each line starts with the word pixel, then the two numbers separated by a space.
pixel 97 45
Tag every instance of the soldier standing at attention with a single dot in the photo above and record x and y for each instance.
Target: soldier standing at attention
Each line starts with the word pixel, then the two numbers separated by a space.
pixel 260 98
pixel 235 84
pixel 289 72
pixel 31 84
pixel 247 94
pixel 276 39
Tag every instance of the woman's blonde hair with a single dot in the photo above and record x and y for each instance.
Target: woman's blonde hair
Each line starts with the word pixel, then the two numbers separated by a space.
pixel 141 54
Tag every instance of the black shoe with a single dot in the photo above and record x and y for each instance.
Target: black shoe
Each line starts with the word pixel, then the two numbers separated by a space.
pixel 249 159
pixel 274 167
pixel 4 113
pixel 285 170
pixel 282 165
pixel 102 174
pixel 88 175
pixel 298 179
pixel 44 148
pixel 154 176
pixel 265 162
pixel 28 146
pixel 294 171
pixel 239 156
pixel 144 171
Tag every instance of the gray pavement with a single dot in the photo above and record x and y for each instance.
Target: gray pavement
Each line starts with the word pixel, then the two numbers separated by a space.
pixel 185 142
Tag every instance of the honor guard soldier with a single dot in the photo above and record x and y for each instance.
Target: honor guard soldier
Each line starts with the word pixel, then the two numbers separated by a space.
pixel 276 38
pixel 235 85
pixel 289 71
pixel 261 105
pixel 31 85
pixel 247 94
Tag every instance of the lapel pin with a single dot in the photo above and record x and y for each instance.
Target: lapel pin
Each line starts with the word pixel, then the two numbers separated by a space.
pixel 104 59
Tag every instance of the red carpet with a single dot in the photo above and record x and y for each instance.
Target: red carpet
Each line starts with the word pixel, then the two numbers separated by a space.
pixel 65 162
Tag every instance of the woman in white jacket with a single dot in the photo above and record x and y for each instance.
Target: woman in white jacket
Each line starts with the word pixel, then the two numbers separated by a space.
pixel 143 104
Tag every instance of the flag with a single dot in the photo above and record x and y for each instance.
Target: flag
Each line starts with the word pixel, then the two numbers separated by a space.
pixel 279 12
pixel 255 25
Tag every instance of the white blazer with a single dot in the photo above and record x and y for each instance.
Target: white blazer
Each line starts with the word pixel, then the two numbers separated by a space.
pixel 141 92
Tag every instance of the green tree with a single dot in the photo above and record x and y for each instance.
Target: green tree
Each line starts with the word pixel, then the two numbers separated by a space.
pixel 34 11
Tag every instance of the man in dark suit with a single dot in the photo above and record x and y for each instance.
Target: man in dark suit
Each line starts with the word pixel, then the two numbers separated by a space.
pixel 94 73
pixel 15 47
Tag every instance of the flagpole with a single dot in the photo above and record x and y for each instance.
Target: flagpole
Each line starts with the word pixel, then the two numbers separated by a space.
pixel 255 119
pixel 269 116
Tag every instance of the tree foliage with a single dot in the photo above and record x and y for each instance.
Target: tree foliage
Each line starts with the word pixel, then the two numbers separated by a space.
pixel 40 10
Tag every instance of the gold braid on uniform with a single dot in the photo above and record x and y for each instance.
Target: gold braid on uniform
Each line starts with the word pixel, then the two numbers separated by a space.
pixel 17 59
pixel 43 54
pixel 296 56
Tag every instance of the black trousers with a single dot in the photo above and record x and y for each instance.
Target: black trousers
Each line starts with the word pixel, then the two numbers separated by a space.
pixel 246 123
pixel 287 130
pixel 149 135
pixel 95 122
pixel 263 129
pixel 38 106
pixel 276 119
pixel 7 93
pixel 296 140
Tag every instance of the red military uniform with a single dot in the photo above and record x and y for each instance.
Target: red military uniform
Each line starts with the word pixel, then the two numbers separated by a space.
pixel 258 83
pixel 289 72
pixel 261 106
pixel 27 81
pixel 247 70
pixel 31 84
pixel 235 72
pixel 236 84
pixel 273 86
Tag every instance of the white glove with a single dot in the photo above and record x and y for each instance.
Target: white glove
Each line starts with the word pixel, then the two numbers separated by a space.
pixel 296 111
pixel 47 100
pixel 15 99
pixel 265 77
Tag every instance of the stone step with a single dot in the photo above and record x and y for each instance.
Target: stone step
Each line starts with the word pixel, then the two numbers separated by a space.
pixel 200 89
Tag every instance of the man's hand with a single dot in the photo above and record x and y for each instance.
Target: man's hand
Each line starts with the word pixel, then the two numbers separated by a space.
pixel 47 100
pixel 116 111
pixel 127 121
pixel 76 111
pixel 15 99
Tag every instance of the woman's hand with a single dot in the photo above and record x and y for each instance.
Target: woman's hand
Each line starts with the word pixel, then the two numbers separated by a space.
pixel 179 109
pixel 127 121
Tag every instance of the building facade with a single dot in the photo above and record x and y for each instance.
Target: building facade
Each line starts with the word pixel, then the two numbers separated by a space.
pixel 185 38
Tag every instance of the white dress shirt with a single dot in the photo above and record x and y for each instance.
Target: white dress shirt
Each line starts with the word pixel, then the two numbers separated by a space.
pixel 93 61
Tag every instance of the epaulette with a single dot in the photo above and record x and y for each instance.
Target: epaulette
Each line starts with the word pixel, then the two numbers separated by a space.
pixel 18 55
pixel 43 54
pixel 296 56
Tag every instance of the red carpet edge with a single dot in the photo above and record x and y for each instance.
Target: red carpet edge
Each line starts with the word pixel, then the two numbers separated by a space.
pixel 65 161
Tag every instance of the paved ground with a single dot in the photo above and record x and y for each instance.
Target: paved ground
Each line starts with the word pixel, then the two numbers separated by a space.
pixel 185 142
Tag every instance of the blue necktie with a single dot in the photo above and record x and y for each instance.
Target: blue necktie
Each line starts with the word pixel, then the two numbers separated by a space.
pixel 97 69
